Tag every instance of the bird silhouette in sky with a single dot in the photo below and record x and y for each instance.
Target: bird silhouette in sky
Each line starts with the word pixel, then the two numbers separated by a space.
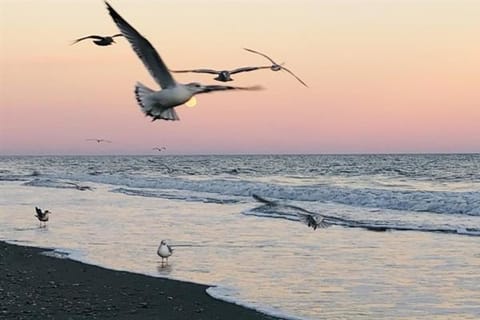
pixel 100 40
pixel 275 66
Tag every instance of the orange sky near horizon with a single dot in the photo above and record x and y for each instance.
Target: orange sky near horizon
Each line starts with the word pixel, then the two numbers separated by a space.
pixel 384 76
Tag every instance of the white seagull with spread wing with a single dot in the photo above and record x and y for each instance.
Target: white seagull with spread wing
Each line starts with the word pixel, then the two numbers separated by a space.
pixel 160 104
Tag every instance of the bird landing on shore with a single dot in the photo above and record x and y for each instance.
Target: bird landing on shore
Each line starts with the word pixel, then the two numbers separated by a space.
pixel 42 216
pixel 164 251
pixel 311 219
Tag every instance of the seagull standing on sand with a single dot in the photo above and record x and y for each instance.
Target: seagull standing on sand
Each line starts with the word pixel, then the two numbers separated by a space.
pixel 311 219
pixel 164 250
pixel 42 216
pixel 160 104
pixel 222 75
pixel 100 40
pixel 275 66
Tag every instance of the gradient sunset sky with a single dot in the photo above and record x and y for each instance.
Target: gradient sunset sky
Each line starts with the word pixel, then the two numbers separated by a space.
pixel 384 76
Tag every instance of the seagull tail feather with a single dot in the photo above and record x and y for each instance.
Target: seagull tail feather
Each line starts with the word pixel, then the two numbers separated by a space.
pixel 142 94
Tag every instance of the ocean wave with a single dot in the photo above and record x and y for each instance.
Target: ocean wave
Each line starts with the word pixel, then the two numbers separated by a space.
pixel 174 195
pixel 410 200
pixel 371 225
pixel 53 183
pixel 441 202
pixel 6 175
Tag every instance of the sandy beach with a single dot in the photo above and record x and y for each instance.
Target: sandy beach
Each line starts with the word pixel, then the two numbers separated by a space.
pixel 34 285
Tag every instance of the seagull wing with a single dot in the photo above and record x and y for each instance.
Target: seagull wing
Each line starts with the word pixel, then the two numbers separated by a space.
pixel 144 50
pixel 39 211
pixel 278 204
pixel 295 76
pixel 211 88
pixel 262 54
pixel 170 249
pixel 117 35
pixel 245 69
pixel 88 37
pixel 197 71
pixel 263 200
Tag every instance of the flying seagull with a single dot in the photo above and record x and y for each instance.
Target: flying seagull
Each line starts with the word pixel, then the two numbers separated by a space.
pixel 311 219
pixel 99 140
pixel 160 104
pixel 164 250
pixel 100 40
pixel 42 216
pixel 222 75
pixel 159 149
pixel 275 66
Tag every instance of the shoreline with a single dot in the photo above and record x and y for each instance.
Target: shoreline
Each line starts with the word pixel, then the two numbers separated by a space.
pixel 35 285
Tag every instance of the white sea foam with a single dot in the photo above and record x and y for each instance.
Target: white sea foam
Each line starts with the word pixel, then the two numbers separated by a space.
pixel 230 295
pixel 417 201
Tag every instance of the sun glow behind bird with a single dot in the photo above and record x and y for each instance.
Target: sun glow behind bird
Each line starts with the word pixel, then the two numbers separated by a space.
pixel 191 103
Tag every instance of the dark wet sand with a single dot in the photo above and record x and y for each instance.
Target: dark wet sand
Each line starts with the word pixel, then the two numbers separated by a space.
pixel 35 286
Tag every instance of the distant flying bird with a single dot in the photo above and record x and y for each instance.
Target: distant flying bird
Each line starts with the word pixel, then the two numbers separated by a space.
pixel 311 219
pixel 80 187
pixel 42 216
pixel 160 104
pixel 159 149
pixel 164 250
pixel 275 66
pixel 222 75
pixel 100 40
pixel 99 140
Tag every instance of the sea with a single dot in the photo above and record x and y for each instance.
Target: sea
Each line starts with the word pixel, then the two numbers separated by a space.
pixel 403 240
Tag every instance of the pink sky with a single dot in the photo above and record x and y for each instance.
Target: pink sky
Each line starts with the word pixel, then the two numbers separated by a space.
pixel 384 76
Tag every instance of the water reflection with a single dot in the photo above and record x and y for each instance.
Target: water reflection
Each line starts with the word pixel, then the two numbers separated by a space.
pixel 334 273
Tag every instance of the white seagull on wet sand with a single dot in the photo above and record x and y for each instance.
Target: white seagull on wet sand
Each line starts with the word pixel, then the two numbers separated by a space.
pixel 100 40
pixel 164 250
pixel 42 216
pixel 275 66
pixel 160 104
pixel 311 219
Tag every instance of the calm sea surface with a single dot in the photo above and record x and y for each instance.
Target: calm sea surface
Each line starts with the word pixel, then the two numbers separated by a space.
pixel 404 244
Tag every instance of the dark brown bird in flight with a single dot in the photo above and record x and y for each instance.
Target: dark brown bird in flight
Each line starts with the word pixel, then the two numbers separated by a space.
pixel 100 40
pixel 222 75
